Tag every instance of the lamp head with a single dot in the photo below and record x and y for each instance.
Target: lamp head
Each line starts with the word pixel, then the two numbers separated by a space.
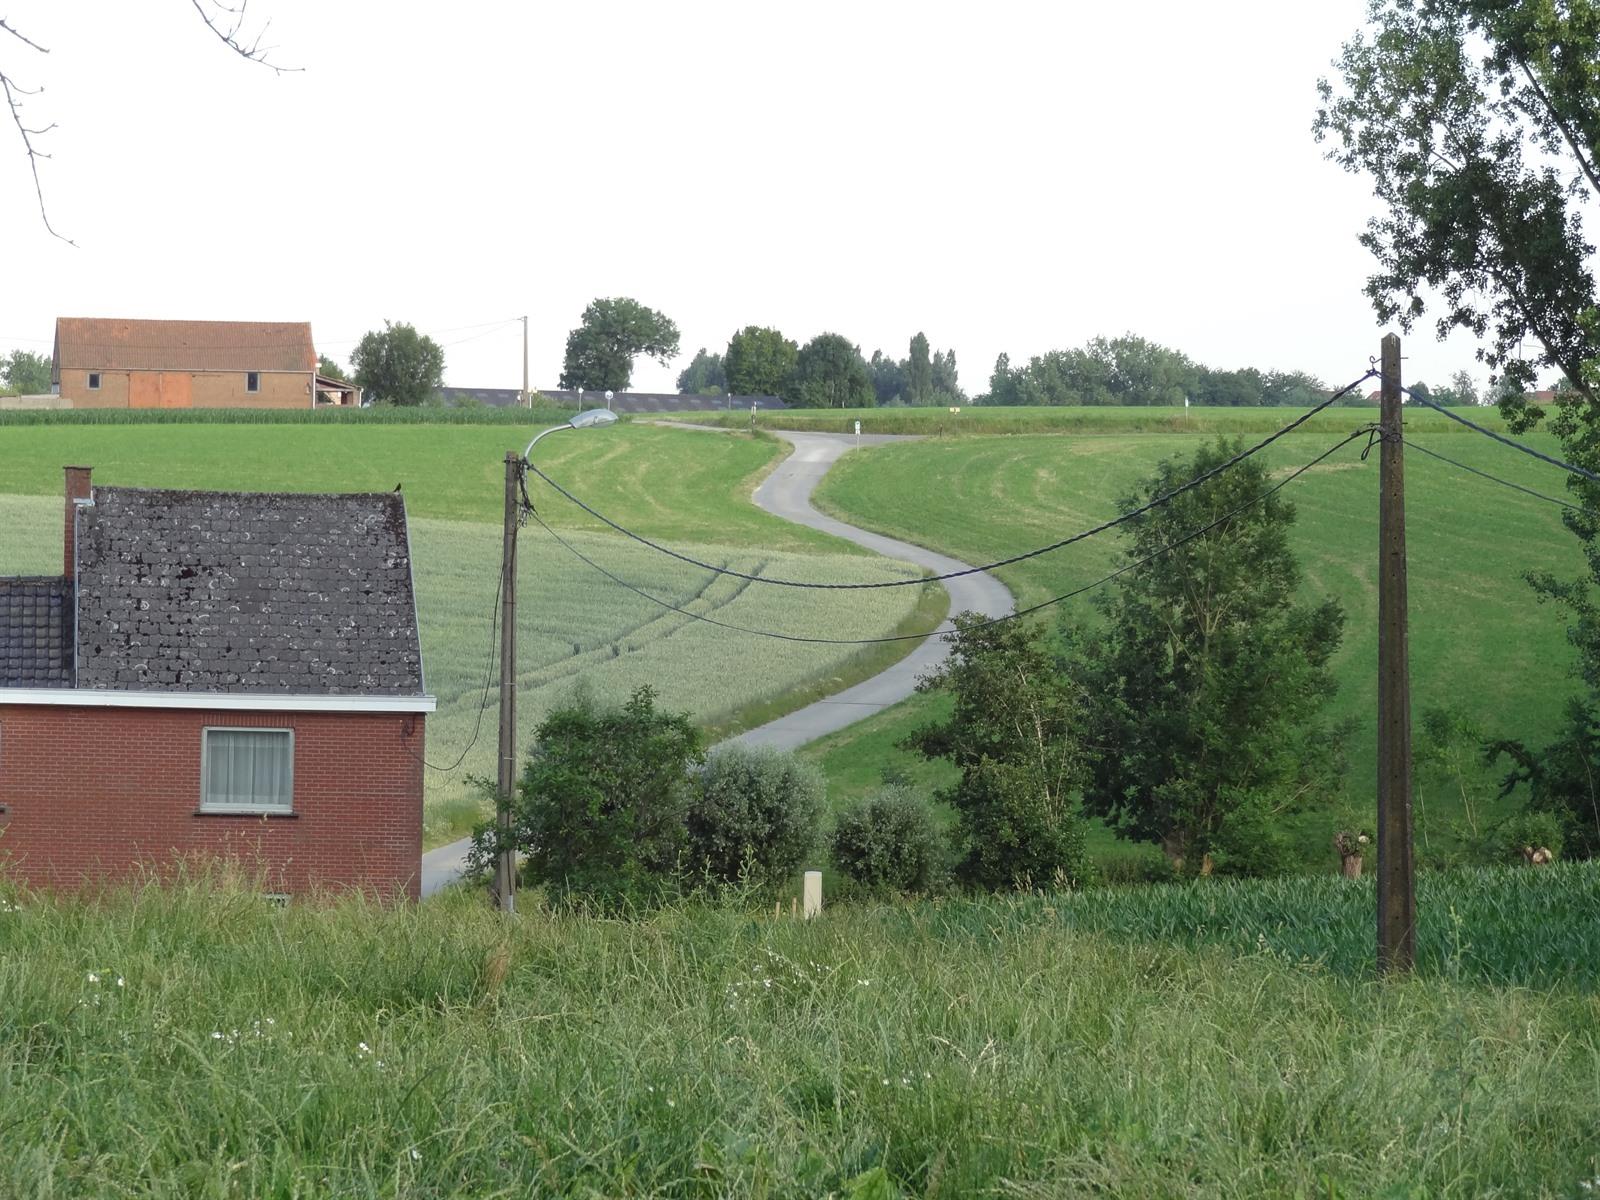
pixel 592 416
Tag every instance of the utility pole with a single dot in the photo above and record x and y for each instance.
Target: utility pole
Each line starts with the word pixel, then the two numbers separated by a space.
pixel 527 396
pixel 505 863
pixel 1397 900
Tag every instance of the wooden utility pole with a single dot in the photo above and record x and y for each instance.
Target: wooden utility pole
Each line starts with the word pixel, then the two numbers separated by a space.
pixel 1397 900
pixel 527 395
pixel 505 863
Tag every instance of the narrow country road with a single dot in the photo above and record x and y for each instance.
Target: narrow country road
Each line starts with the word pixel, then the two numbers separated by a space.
pixel 786 493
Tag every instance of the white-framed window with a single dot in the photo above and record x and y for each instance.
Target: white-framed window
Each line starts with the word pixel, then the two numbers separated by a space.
pixel 246 770
pixel 252 381
pixel 94 381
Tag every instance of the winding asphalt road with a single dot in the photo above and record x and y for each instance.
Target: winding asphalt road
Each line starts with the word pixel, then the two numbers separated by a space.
pixel 786 493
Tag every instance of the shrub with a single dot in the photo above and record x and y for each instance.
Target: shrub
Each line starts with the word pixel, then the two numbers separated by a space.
pixel 889 840
pixel 755 815
pixel 599 813
pixel 1017 831
pixel 1527 832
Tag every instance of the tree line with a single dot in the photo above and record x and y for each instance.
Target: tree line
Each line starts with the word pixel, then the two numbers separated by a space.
pixel 1134 371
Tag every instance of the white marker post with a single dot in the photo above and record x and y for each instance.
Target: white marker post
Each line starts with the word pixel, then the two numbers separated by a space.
pixel 858 435
pixel 813 894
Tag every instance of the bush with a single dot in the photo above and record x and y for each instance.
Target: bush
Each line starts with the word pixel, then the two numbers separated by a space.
pixel 754 817
pixel 599 813
pixel 1524 833
pixel 889 840
pixel 1018 832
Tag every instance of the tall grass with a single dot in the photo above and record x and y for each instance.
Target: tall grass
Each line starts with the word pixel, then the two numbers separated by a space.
pixel 197 1042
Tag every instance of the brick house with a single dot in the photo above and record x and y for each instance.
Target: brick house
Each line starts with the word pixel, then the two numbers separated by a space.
pixel 102 363
pixel 216 674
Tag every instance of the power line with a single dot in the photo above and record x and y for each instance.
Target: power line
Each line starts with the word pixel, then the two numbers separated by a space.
pixel 1502 439
pixel 943 629
pixel 1156 502
pixel 488 680
pixel 1516 487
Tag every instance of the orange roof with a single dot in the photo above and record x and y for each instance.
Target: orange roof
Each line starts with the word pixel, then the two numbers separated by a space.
pixel 111 344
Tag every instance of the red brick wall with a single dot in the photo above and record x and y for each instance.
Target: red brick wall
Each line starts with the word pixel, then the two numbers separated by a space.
pixel 96 793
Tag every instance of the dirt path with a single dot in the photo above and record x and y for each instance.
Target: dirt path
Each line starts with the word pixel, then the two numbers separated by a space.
pixel 787 493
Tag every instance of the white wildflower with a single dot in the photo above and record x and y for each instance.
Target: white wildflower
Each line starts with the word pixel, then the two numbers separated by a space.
pixel 93 978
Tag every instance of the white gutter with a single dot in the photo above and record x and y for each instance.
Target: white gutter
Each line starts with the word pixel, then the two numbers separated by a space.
pixel 217 701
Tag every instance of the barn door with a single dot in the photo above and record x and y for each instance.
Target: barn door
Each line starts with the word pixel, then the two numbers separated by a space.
pixel 144 389
pixel 177 389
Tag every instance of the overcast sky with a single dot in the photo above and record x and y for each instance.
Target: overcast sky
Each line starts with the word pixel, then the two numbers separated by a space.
pixel 1004 177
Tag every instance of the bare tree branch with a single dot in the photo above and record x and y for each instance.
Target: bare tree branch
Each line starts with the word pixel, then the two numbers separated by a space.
pixel 227 22
pixel 25 40
pixel 14 93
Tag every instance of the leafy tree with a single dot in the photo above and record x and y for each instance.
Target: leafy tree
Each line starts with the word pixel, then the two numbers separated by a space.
pixel 600 811
pixel 703 376
pixel 329 369
pixel 1478 124
pixel 759 362
pixel 1143 372
pixel 1202 687
pixel 26 373
pixel 1231 389
pixel 1005 384
pixel 610 335
pixel 1013 734
pixel 1461 384
pixel 1295 389
pixel 829 372
pixel 398 365
pixel 888 378
pixel 919 372
pixel 946 386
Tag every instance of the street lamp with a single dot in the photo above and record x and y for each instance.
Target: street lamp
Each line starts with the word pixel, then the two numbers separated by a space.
pixel 505 864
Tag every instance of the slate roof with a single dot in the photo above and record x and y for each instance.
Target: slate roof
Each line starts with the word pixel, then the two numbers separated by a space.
pixel 35 631
pixel 246 592
pixel 651 402
pixel 115 344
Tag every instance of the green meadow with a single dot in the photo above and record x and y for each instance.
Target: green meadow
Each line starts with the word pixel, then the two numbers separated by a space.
pixel 1211 1040
pixel 576 628
pixel 1479 641
pixel 983 420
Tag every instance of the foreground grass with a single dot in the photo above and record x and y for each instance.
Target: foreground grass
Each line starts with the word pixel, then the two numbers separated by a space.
pixel 1478 639
pixel 197 1042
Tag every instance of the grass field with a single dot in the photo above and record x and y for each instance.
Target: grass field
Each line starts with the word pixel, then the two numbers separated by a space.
pixel 985 420
pixel 689 488
pixel 198 1042
pixel 1478 639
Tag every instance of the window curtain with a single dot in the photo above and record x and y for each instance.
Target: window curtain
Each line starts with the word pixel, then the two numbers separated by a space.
pixel 248 768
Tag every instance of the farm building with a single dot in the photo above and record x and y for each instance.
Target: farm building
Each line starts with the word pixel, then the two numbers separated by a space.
pixel 102 363
pixel 216 674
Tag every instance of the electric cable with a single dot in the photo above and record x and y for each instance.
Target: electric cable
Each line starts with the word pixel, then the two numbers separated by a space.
pixel 1155 502
pixel 488 680
pixel 944 629
pixel 1516 487
pixel 1501 438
